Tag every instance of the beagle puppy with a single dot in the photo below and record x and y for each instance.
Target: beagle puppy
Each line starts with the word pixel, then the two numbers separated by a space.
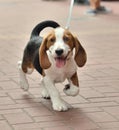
pixel 52 56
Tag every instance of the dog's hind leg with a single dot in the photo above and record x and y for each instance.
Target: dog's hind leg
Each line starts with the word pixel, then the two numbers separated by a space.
pixel 23 70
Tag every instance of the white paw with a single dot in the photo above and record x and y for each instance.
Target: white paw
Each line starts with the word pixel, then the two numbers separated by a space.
pixel 45 94
pixel 19 64
pixel 61 105
pixel 71 90
pixel 24 85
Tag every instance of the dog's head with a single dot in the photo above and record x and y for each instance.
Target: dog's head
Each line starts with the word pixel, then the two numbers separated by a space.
pixel 60 44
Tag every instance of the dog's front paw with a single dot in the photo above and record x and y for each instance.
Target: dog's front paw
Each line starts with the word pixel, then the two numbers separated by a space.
pixel 24 85
pixel 71 90
pixel 61 105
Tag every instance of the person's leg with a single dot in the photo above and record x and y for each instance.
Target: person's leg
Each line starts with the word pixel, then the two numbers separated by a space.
pixel 94 4
pixel 96 8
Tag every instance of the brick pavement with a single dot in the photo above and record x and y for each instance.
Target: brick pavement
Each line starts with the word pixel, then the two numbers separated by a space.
pixel 97 105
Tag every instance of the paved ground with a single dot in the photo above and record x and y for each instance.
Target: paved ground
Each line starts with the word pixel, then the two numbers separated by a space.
pixel 97 105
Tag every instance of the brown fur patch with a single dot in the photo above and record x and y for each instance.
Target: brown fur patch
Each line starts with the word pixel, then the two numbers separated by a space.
pixel 74 79
pixel 44 61
pixel 50 40
pixel 80 53
pixel 25 65
pixel 68 39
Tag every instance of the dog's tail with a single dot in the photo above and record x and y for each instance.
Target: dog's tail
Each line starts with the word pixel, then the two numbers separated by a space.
pixel 39 27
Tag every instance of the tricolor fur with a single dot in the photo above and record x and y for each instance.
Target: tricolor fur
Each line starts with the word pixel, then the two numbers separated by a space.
pixel 52 56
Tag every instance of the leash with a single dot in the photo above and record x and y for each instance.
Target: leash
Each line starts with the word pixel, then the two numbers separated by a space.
pixel 70 13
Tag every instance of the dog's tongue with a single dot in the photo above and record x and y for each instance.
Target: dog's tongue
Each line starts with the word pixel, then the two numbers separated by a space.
pixel 60 62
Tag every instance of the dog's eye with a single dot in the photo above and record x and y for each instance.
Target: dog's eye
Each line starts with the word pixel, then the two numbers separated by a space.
pixel 52 40
pixel 66 39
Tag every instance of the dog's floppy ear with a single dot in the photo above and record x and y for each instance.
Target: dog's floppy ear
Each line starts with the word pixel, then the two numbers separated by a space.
pixel 80 54
pixel 43 57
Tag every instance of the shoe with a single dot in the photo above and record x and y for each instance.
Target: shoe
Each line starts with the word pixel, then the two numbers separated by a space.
pixel 91 12
pixel 103 9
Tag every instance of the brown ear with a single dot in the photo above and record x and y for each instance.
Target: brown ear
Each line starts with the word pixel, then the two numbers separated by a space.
pixel 80 54
pixel 44 61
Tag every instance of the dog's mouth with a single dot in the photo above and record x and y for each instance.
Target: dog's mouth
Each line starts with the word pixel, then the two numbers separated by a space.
pixel 60 61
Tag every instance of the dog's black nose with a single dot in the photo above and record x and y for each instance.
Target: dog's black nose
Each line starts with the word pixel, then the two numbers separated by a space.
pixel 59 52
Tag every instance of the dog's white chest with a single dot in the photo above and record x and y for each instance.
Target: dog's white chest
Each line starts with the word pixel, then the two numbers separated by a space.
pixel 60 74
